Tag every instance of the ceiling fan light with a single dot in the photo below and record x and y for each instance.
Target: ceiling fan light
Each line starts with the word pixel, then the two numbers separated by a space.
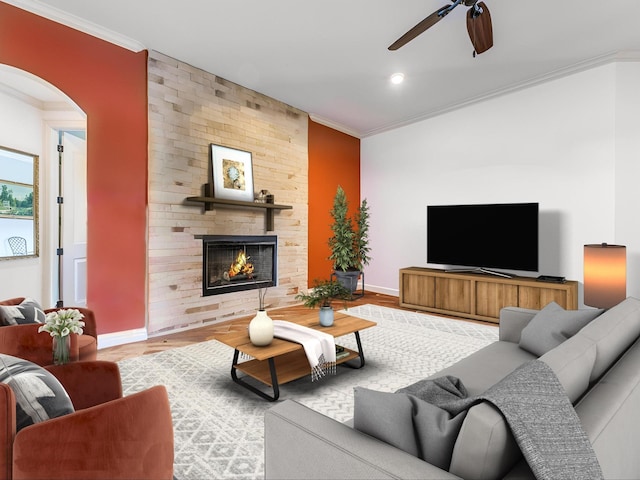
pixel 397 78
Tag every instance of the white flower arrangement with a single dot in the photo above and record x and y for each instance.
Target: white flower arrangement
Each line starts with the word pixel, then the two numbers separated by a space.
pixel 63 322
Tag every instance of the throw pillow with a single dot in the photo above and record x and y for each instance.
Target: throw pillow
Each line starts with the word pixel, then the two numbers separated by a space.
pixel 39 395
pixel 29 311
pixel 553 325
pixel 408 423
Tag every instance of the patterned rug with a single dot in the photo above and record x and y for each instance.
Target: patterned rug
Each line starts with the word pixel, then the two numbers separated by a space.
pixel 218 425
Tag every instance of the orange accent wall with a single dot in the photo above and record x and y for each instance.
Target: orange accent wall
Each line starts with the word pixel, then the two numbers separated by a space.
pixel 334 159
pixel 110 84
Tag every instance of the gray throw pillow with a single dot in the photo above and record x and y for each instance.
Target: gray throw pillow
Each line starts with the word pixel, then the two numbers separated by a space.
pixel 39 395
pixel 29 311
pixel 407 423
pixel 553 325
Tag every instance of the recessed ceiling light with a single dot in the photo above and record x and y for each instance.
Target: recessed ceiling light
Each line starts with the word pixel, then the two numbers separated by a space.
pixel 397 78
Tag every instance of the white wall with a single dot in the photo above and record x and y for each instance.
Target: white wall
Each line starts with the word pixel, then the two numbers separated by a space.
pixel 627 214
pixel 21 129
pixel 557 143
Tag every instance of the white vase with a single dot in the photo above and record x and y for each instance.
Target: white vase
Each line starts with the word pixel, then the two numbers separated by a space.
pixel 261 329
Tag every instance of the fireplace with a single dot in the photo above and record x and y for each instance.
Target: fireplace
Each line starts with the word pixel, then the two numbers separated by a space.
pixel 232 263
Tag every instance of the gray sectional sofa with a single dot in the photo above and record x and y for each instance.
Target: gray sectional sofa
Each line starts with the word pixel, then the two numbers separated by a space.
pixel 598 365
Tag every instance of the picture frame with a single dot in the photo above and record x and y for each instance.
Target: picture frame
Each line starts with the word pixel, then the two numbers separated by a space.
pixel 18 204
pixel 232 173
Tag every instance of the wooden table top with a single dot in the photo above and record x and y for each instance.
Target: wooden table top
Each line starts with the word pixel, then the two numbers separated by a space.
pixel 238 337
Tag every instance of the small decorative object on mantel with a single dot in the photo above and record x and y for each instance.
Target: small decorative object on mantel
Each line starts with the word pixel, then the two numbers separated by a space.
pixel 322 294
pixel 261 196
pixel 261 326
pixel 60 325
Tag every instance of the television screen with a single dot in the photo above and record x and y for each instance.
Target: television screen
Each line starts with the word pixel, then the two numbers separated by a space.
pixel 501 236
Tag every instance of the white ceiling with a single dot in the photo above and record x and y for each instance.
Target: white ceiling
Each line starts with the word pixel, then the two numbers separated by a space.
pixel 330 57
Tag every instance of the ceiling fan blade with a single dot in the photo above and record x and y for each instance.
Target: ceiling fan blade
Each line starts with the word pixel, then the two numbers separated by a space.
pixel 428 22
pixel 479 28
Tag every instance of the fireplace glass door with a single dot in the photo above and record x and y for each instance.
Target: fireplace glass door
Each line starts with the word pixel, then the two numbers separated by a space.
pixel 236 263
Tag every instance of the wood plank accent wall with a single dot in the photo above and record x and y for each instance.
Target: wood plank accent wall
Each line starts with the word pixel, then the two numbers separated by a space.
pixel 188 110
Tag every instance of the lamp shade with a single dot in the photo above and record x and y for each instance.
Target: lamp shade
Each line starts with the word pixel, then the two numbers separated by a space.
pixel 605 275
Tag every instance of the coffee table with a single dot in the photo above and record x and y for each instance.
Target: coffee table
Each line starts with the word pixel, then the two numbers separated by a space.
pixel 283 361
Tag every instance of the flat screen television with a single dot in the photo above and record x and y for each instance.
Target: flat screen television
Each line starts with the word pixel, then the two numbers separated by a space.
pixel 503 236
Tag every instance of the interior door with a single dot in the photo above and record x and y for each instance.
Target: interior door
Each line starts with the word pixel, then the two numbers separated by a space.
pixel 74 220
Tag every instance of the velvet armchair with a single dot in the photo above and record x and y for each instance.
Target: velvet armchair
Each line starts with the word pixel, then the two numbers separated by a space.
pixel 24 341
pixel 107 437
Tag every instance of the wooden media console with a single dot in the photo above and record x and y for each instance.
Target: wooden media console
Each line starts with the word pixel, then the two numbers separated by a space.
pixel 479 296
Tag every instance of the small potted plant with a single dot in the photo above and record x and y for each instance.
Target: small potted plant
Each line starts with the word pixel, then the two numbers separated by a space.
pixel 321 295
pixel 350 240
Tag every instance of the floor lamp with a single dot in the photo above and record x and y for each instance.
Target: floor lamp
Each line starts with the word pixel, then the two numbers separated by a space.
pixel 605 275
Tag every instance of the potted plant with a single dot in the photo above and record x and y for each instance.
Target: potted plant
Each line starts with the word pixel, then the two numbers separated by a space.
pixel 321 295
pixel 350 240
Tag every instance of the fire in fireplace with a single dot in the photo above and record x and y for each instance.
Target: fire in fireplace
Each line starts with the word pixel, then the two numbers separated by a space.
pixel 232 263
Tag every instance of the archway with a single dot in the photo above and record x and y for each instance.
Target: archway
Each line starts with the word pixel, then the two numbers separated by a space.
pixel 36 117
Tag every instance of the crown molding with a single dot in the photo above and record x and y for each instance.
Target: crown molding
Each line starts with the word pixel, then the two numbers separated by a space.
pixel 22 97
pixel 77 23
pixel 334 125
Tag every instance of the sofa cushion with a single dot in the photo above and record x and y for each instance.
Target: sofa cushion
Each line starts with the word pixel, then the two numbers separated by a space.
pixel 487 366
pixel 553 325
pixel 39 395
pixel 29 311
pixel 485 448
pixel 610 416
pixel 573 362
pixel 613 332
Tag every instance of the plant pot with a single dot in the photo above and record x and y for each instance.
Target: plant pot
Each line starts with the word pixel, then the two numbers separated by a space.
pixel 348 279
pixel 261 329
pixel 326 316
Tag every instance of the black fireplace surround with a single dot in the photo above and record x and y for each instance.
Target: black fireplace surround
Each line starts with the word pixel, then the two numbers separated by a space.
pixel 233 263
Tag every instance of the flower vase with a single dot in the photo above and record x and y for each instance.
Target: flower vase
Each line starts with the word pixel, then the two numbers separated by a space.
pixel 261 329
pixel 61 349
pixel 326 316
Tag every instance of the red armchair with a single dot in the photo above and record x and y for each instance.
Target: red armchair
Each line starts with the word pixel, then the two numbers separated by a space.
pixel 24 341
pixel 108 436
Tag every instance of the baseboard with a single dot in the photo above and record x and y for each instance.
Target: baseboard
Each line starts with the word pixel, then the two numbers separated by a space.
pixel 120 338
pixel 382 290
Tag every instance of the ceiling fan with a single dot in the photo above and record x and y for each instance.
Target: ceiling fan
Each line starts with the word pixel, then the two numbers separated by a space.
pixel 478 25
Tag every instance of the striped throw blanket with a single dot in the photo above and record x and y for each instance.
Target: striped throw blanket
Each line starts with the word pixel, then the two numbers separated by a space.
pixel 319 347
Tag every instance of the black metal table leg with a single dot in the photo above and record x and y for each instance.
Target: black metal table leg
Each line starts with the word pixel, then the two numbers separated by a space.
pixel 360 353
pixel 274 379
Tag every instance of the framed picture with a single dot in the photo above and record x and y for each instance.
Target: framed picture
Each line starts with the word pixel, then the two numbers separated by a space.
pixel 232 173
pixel 18 204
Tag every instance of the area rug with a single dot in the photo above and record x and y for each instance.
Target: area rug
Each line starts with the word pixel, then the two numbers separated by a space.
pixel 218 425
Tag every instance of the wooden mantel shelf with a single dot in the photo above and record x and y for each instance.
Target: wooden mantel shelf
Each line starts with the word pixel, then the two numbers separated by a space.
pixel 269 208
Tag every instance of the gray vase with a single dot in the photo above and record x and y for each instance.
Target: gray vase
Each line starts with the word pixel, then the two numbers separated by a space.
pixel 326 316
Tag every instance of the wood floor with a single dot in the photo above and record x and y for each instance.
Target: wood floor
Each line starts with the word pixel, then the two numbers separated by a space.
pixel 201 334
